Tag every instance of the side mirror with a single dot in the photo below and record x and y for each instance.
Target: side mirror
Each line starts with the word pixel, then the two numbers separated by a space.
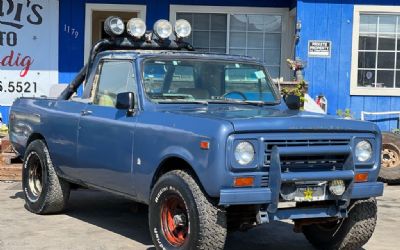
pixel 292 101
pixel 126 101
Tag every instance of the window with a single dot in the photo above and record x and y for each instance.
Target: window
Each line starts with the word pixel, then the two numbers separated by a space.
pixel 190 80
pixel 376 58
pixel 258 33
pixel 115 77
pixel 157 73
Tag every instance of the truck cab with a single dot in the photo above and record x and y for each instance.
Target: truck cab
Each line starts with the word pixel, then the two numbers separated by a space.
pixel 206 140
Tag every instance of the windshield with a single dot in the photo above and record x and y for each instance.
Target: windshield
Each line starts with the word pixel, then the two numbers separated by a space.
pixel 194 80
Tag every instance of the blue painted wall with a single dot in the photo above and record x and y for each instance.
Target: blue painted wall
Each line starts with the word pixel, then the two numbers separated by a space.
pixel 333 20
pixel 321 20
pixel 72 13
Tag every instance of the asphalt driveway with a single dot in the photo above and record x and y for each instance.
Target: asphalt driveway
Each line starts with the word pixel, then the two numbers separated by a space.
pixel 96 220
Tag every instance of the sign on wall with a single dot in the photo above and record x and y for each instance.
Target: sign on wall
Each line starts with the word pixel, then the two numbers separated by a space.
pixel 28 48
pixel 319 48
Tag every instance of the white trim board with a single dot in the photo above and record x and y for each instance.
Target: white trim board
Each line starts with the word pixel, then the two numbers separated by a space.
pixel 367 91
pixel 90 7
pixel 229 10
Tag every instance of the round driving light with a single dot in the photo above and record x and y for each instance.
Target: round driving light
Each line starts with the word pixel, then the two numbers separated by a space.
pixel 244 153
pixel 363 151
pixel 182 28
pixel 136 27
pixel 162 28
pixel 114 26
pixel 337 187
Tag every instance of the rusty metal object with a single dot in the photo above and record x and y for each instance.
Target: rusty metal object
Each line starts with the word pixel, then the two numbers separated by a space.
pixel 390 155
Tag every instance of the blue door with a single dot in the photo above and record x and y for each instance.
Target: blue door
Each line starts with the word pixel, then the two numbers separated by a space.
pixel 63 135
pixel 106 134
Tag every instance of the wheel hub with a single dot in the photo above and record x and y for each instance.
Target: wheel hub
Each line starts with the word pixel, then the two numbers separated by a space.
pixel 390 158
pixel 35 177
pixel 180 220
pixel 174 222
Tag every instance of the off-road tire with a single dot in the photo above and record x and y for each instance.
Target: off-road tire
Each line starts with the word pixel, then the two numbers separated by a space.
pixel 55 191
pixel 351 233
pixel 207 222
pixel 390 168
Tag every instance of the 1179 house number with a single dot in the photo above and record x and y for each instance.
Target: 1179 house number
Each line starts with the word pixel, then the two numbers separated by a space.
pixel 72 31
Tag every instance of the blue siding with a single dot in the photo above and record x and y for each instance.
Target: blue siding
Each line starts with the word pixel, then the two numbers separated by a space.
pixel 321 20
pixel 72 13
pixel 333 20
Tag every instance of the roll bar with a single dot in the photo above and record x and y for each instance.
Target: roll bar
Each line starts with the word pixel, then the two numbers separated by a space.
pixel 121 43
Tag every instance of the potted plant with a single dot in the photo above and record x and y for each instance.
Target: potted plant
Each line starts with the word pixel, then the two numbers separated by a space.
pixel 292 94
pixel 346 114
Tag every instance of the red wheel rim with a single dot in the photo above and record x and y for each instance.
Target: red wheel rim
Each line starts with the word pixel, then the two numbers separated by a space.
pixel 174 220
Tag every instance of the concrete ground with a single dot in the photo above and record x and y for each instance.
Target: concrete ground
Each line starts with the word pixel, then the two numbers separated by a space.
pixel 98 221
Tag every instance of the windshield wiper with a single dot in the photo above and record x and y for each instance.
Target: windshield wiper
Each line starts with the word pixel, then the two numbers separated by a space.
pixel 235 101
pixel 168 96
pixel 185 101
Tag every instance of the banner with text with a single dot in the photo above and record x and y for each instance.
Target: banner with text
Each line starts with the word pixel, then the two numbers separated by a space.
pixel 28 48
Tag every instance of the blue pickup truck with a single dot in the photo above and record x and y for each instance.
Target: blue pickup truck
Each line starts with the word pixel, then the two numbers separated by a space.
pixel 205 140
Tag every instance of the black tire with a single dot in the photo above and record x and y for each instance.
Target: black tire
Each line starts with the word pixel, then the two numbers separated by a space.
pixel 390 167
pixel 44 191
pixel 350 233
pixel 206 222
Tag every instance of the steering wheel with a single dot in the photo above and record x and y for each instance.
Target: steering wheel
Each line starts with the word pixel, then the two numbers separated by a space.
pixel 236 92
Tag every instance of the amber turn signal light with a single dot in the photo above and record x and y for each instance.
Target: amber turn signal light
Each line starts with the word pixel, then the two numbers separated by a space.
pixel 243 182
pixel 205 145
pixel 361 177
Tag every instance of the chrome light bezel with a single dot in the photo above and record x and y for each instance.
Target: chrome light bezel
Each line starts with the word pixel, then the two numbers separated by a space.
pixel 180 25
pixel 361 146
pixel 114 26
pixel 159 25
pixel 133 25
pixel 244 153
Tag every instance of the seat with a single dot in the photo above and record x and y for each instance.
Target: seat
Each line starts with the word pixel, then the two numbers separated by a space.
pixel 195 92
pixel 106 100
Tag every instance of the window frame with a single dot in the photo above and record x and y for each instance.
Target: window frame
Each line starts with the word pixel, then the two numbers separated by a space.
pixel 354 88
pixel 233 10
pixel 95 83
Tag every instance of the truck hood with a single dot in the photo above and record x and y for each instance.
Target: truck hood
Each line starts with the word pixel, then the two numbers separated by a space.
pixel 262 119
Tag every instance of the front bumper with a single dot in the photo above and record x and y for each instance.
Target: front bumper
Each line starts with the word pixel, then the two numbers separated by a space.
pixel 270 196
pixel 248 196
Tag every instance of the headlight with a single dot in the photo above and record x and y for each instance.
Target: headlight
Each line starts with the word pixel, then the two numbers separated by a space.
pixel 363 151
pixel 182 28
pixel 244 153
pixel 162 28
pixel 114 26
pixel 136 27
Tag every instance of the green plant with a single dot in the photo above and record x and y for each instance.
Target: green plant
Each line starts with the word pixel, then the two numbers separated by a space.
pixel 345 114
pixel 299 90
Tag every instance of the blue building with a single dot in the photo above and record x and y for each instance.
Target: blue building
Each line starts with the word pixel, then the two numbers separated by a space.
pixel 351 48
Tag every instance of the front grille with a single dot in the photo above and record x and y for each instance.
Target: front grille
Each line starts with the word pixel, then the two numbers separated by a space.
pixel 264 181
pixel 307 162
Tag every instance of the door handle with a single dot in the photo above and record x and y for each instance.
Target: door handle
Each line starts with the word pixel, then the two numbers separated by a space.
pixel 86 112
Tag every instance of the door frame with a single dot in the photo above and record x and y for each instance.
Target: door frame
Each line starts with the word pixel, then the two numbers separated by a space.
pixel 91 7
